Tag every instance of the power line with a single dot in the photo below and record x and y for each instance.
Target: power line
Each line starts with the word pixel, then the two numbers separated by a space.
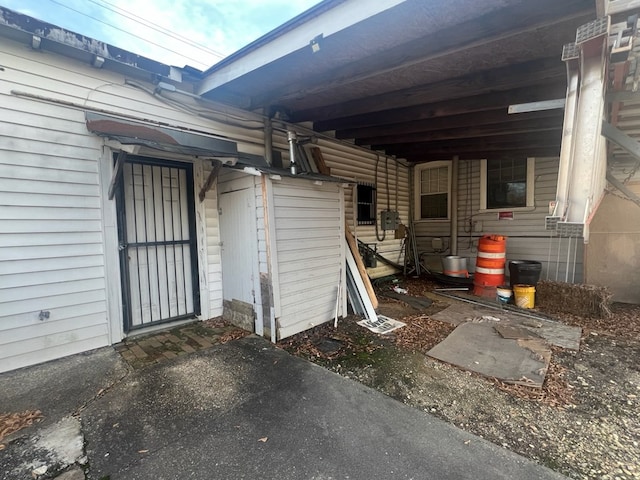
pixel 154 26
pixel 128 32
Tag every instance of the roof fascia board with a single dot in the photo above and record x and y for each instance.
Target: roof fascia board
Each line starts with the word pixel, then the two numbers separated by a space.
pixel 340 17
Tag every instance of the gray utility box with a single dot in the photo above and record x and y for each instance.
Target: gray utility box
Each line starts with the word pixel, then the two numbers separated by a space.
pixel 389 220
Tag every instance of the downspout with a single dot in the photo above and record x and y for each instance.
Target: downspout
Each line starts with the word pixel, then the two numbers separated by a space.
pixel 455 166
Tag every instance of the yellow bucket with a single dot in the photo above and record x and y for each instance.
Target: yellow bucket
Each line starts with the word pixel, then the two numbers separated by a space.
pixel 525 295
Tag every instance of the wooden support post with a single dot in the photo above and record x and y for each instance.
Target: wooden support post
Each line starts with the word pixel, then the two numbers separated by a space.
pixel 217 166
pixel 316 153
pixel 117 173
pixel 361 268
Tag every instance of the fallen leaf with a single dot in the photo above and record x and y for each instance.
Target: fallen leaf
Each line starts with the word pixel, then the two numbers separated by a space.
pixel 143 451
pixel 263 439
pixel 2 446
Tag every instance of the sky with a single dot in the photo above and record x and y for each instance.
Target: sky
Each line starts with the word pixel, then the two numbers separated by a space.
pixel 197 33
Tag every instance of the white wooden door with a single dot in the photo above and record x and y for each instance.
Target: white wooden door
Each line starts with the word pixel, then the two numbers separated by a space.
pixel 239 245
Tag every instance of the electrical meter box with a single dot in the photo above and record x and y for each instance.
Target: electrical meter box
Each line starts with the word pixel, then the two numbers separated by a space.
pixel 389 220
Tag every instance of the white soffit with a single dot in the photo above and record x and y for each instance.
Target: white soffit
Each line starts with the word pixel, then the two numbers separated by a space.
pixel 335 20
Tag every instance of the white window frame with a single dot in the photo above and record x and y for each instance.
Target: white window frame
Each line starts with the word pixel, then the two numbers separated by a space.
pixel 531 176
pixel 417 189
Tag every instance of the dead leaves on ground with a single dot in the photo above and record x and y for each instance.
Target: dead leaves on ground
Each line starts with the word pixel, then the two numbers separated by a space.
pixel 13 422
pixel 555 390
pixel 421 333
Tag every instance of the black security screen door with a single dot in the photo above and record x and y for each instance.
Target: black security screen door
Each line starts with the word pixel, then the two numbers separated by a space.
pixel 156 231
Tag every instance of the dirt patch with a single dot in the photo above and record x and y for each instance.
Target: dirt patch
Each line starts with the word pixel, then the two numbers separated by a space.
pixel 584 422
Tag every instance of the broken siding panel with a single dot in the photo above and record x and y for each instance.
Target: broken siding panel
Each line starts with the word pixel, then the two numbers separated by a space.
pixel 310 257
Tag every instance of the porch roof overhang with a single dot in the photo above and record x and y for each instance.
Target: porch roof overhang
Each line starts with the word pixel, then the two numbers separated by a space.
pixel 129 132
pixel 419 80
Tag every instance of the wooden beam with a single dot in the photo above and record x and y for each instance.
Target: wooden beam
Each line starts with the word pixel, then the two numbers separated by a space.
pixel 481 154
pixel 316 154
pixel 444 108
pixel 502 129
pixel 493 26
pixel 490 117
pixel 528 139
pixel 213 174
pixel 351 241
pixel 117 173
pixel 533 72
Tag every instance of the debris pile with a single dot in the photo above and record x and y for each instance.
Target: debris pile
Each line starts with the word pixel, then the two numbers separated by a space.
pixel 577 299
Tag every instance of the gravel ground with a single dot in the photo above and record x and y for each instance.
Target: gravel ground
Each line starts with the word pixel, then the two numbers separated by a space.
pixel 584 422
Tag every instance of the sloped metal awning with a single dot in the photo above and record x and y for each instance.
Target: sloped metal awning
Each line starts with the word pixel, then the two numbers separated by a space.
pixel 157 137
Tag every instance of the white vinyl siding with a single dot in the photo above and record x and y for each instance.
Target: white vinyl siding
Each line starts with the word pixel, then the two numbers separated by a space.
pixel 55 254
pixel 527 237
pixel 309 226
pixel 359 166
pixel 51 246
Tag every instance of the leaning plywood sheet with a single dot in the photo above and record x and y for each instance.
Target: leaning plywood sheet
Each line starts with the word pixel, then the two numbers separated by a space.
pixel 477 347
pixel 555 333
pixel 362 271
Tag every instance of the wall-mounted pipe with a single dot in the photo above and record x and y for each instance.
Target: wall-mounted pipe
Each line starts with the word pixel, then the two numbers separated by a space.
pixel 292 138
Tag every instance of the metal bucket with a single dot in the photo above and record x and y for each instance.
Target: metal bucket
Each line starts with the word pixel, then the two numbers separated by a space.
pixel 454 266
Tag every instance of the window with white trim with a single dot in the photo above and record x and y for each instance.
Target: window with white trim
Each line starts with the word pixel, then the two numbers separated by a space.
pixel 366 201
pixel 507 183
pixel 433 191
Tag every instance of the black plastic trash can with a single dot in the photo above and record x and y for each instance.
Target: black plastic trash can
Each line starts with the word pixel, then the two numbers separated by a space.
pixel 524 272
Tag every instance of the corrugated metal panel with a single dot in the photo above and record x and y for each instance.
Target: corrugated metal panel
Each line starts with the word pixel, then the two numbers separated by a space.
pixel 310 256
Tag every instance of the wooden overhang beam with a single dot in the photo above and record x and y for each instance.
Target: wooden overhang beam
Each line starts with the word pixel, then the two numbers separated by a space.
pixel 522 140
pixel 502 129
pixel 494 26
pixel 444 108
pixel 216 166
pixel 490 117
pixel 117 173
pixel 427 156
pixel 531 73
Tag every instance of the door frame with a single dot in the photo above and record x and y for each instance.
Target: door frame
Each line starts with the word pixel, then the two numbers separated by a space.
pixel 125 277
